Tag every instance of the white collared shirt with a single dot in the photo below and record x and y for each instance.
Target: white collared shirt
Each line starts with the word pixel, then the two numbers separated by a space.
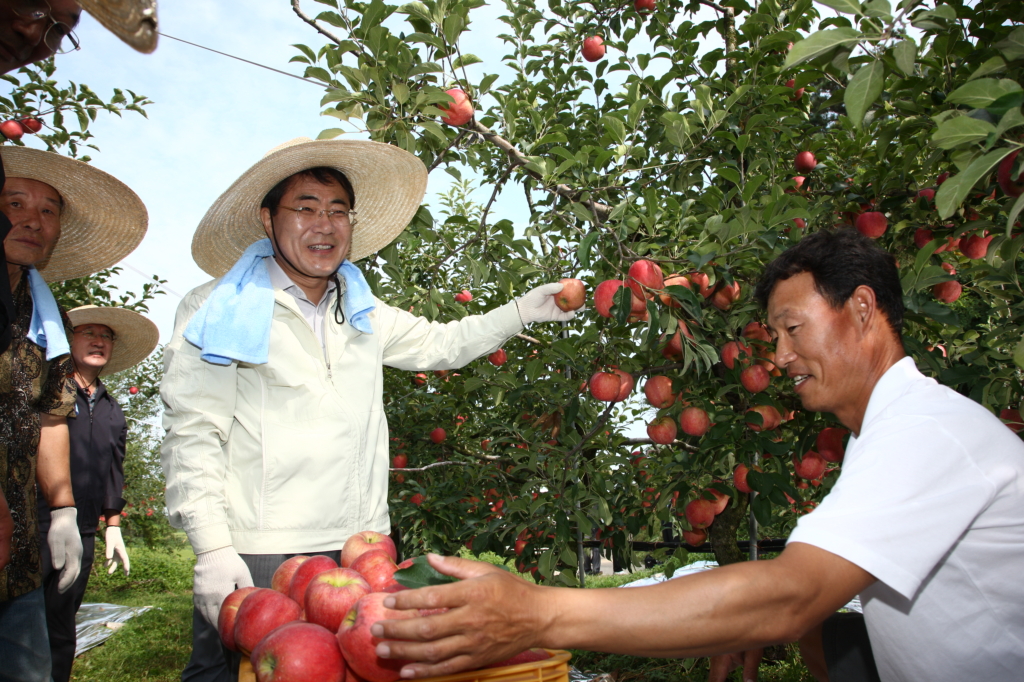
pixel 313 312
pixel 930 502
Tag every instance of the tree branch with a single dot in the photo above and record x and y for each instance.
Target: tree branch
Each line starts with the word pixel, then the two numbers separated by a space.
pixel 648 441
pixel 440 157
pixel 312 22
pixel 516 157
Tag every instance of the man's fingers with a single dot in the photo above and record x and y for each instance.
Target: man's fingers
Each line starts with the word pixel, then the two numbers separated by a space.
pixel 460 568
pixel 454 665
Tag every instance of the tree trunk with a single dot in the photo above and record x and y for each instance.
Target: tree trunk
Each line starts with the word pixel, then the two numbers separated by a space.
pixel 724 529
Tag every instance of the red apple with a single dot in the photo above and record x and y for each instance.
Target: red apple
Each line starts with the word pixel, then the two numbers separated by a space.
pixel 464 296
pixel 298 652
pixel 282 578
pixel 605 386
pixel 700 513
pixel 805 162
pixel 1011 417
pixel 662 430
pixel 307 570
pixel 12 130
pixel 974 246
pixel 31 125
pixel 721 500
pixel 739 478
pixel 228 613
pixel 756 331
pixel 420 379
pixel 799 223
pixel 674 348
pixel 872 224
pixel 498 357
pixel 533 655
pixel 755 378
pixel 941 179
pixel 810 467
pixel 736 350
pixel 593 49
pixel 643 276
pixel 572 296
pixel 658 390
pixel 261 611
pixel 331 594
pixel 694 421
pixel 695 538
pixel 922 237
pixel 830 444
pixel 604 296
pixel 673 281
pixel 625 385
pixel 770 418
pixel 399 461
pixel 438 435
pixel 366 541
pixel 416 499
pixel 948 292
pixel 1010 187
pixel 459 112
pixel 927 194
pixel 703 283
pixel 378 567
pixel 360 647
pixel 726 295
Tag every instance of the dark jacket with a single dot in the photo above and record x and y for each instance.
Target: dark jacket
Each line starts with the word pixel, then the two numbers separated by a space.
pixel 97 460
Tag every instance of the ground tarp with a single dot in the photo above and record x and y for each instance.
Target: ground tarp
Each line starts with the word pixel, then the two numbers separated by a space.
pixel 94 623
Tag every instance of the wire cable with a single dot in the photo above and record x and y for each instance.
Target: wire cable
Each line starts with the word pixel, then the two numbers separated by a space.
pixel 262 66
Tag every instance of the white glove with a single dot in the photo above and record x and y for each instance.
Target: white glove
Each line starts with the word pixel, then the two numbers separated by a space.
pixel 219 572
pixel 115 544
pixel 538 305
pixel 65 546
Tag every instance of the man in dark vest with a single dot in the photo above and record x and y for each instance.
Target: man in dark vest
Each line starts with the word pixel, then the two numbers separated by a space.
pixel 106 341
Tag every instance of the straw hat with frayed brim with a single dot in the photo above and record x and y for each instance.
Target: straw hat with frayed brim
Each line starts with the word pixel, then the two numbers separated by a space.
pixel 133 21
pixel 102 221
pixel 137 336
pixel 389 184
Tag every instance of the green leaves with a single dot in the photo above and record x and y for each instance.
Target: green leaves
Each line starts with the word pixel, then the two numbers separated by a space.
pixel 905 54
pixel 422 574
pixel 844 6
pixel 1013 46
pixel 979 94
pixel 960 130
pixel 821 43
pixel 863 90
pixel 953 192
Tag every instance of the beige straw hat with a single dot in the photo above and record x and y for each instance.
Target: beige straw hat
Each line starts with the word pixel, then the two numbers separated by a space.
pixel 137 336
pixel 389 184
pixel 102 221
pixel 133 21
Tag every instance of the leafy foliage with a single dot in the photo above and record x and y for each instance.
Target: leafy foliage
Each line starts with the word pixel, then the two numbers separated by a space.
pixel 684 157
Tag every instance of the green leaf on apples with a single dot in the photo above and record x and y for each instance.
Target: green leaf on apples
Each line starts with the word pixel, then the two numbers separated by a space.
pixel 954 190
pixel 622 304
pixel 863 90
pixel 422 574
pixel 821 43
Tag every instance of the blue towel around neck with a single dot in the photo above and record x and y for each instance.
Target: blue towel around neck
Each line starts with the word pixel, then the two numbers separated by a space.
pixel 234 322
pixel 46 328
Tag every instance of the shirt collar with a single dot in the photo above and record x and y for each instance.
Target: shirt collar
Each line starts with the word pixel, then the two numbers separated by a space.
pixel 280 279
pixel 891 386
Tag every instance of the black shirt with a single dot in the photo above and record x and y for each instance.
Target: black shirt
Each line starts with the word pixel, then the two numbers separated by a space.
pixel 97 459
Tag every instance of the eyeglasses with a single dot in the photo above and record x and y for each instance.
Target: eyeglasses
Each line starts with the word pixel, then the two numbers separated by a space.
pixel 56 32
pixel 307 215
pixel 92 336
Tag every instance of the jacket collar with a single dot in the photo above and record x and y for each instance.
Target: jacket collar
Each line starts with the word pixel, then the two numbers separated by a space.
pixel 101 389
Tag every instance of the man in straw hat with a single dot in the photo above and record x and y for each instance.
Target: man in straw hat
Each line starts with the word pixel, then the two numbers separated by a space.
pixel 106 341
pixel 33 30
pixel 277 442
pixel 69 220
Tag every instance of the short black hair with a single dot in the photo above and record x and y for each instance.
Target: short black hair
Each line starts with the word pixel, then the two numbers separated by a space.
pixel 325 175
pixel 840 262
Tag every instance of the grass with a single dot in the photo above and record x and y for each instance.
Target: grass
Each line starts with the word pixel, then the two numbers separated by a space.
pixel 155 646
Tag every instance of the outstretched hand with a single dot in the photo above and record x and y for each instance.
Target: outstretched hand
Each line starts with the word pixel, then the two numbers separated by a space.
pixel 491 616
pixel 538 305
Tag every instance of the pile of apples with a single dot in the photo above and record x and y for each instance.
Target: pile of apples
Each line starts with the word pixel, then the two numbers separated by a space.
pixel 313 623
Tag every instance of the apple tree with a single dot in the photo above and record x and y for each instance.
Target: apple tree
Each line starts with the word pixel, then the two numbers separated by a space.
pixel 703 138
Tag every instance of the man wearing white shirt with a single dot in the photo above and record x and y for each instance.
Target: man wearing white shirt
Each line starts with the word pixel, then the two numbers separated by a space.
pixel 926 522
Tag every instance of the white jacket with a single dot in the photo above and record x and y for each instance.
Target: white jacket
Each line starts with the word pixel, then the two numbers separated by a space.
pixel 292 456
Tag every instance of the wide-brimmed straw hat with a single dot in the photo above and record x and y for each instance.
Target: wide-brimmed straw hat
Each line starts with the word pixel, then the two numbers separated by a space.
pixel 102 221
pixel 389 184
pixel 137 336
pixel 133 21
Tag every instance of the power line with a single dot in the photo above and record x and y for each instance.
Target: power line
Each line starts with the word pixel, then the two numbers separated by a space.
pixel 262 66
